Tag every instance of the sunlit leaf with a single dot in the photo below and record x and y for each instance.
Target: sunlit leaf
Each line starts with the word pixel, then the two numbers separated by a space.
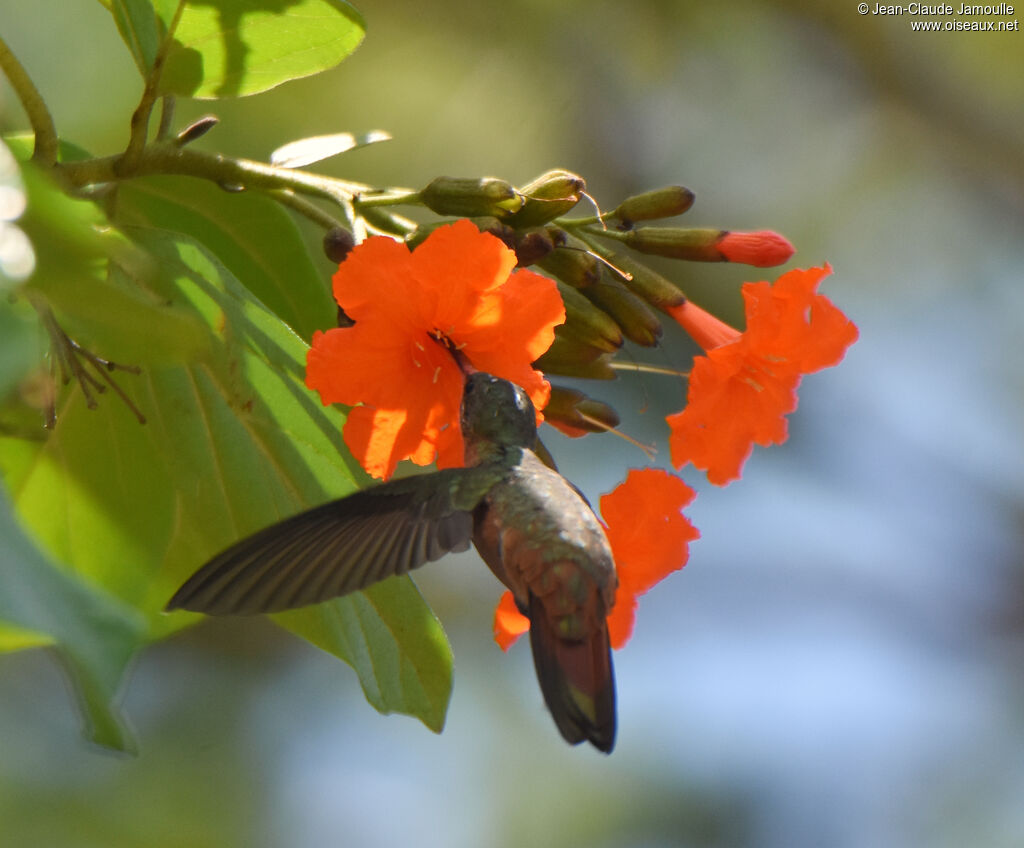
pixel 306 151
pixel 229 48
pixel 234 441
pixel 250 233
pixel 139 27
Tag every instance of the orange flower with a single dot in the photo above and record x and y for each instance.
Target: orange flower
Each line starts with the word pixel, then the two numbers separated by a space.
pixel 649 538
pixel 742 390
pixel 455 290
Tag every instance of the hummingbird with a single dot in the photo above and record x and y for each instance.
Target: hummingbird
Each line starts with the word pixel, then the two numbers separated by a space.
pixel 533 528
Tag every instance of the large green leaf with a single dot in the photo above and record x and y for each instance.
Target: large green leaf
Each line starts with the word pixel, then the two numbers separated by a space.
pixel 250 233
pixel 234 441
pixel 95 633
pixel 228 48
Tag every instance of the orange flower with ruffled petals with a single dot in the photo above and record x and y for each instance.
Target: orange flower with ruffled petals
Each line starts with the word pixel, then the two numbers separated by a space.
pixel 649 537
pixel 741 391
pixel 395 367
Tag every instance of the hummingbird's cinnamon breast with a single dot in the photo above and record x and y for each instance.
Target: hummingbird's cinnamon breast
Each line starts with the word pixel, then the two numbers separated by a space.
pixel 539 536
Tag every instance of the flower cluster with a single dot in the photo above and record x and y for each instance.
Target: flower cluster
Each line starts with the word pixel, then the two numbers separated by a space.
pixel 460 291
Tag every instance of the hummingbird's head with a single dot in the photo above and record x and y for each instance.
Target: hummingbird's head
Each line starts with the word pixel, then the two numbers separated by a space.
pixel 495 410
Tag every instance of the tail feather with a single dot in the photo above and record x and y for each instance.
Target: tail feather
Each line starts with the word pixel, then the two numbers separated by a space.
pixel 577 680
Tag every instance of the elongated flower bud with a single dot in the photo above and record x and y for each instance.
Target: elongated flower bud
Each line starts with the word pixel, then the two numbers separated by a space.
pixel 704 328
pixel 698 244
pixel 761 249
pixel 575 414
pixel 465 197
pixel 644 282
pixel 665 202
pixel 575 267
pixel 635 318
pixel 586 323
pixel 547 197
pixel 572 358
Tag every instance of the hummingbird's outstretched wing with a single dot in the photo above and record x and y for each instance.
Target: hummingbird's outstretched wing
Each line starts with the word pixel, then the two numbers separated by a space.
pixel 341 546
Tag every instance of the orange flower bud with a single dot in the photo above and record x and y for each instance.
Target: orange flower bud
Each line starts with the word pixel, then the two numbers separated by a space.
pixel 762 249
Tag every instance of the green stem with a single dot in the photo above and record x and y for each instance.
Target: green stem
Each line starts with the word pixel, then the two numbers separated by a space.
pixel 571 223
pixel 166 117
pixel 394 197
pixel 223 170
pixel 287 197
pixel 141 115
pixel 600 232
pixel 45 151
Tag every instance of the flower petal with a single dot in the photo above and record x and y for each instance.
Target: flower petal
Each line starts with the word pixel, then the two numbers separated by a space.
pixel 646 529
pixel 509 623
pixel 457 265
pixel 732 402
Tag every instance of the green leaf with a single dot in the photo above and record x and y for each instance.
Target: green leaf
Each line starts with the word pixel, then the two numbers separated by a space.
pixel 229 48
pixel 96 634
pixel 128 315
pixel 234 441
pixel 139 27
pixel 393 641
pixel 19 344
pixel 306 151
pixel 250 233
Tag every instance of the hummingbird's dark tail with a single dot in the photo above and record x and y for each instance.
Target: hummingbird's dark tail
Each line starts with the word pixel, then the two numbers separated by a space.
pixel 577 680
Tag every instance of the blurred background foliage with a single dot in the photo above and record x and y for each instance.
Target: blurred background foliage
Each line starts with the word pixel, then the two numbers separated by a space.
pixel 841 662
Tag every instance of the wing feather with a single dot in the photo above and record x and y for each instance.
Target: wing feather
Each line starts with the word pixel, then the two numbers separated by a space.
pixel 341 546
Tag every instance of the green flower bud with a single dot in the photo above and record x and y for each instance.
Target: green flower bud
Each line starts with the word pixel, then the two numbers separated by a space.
pixel 547 197
pixel 635 318
pixel 575 414
pixel 470 196
pixel 586 323
pixel 651 205
pixel 698 244
pixel 572 358
pixel 644 282
pixel 575 267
